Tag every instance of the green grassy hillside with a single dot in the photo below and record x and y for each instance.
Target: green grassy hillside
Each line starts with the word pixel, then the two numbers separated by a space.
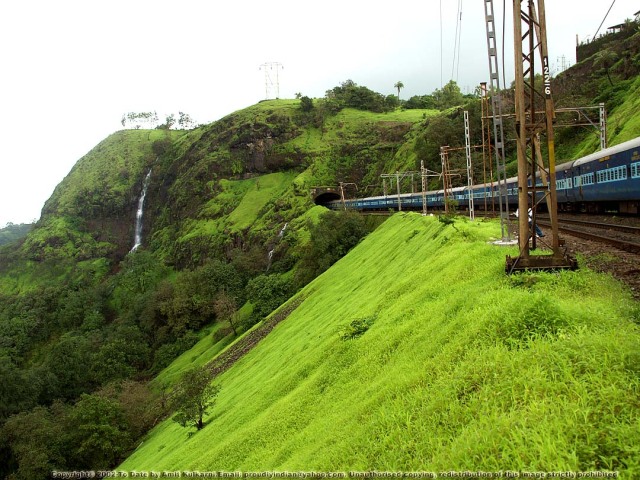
pixel 460 368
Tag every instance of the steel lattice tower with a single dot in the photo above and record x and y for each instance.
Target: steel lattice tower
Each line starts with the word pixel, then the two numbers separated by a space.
pixel 269 67
pixel 530 38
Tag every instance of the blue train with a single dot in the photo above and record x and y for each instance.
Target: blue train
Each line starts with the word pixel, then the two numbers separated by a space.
pixel 605 181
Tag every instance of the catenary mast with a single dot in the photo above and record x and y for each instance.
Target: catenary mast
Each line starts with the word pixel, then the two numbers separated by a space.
pixel 536 174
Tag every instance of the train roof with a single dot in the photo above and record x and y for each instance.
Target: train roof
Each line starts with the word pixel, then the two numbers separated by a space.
pixel 565 165
pixel 635 143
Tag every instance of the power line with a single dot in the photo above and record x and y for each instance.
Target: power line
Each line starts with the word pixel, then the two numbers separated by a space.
pixel 504 32
pixel 603 20
pixel 459 43
pixel 456 45
pixel 441 46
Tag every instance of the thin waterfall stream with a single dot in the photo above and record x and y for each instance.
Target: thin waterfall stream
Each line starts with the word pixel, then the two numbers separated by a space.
pixel 271 251
pixel 138 230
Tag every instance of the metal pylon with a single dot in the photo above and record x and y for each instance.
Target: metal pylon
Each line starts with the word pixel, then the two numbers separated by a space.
pixel 498 129
pixel 446 176
pixel 603 127
pixel 467 149
pixel 530 37
pixel 486 146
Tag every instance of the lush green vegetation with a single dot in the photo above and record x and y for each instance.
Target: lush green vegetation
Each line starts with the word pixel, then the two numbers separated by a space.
pixel 415 352
pixel 70 341
pixel 230 233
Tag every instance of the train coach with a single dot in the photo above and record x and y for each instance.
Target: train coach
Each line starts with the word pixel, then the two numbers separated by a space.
pixel 605 181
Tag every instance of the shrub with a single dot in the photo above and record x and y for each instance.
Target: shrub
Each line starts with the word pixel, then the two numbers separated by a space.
pixel 356 328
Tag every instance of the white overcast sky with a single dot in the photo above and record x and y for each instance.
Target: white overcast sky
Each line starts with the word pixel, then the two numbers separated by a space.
pixel 69 69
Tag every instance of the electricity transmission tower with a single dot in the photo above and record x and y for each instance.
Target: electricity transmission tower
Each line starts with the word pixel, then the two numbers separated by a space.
pixel 271 70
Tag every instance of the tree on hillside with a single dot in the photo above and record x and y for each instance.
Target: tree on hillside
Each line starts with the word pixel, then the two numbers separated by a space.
pixel 38 442
pixel 351 95
pixel 449 96
pixel 398 85
pixel 606 59
pixel 420 101
pixel 99 431
pixel 169 122
pixel 306 104
pixel 227 310
pixel 185 121
pixel 139 119
pixel 193 396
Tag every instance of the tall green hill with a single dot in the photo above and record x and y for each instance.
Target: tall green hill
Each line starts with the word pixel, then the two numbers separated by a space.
pixel 416 353
pixel 205 182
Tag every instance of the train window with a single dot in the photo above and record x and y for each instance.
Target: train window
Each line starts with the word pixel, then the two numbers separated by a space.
pixel 577 181
pixel 635 170
pixel 588 179
pixel 612 174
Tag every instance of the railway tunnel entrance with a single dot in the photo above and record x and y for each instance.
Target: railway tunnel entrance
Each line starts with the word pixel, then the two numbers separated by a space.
pixel 324 195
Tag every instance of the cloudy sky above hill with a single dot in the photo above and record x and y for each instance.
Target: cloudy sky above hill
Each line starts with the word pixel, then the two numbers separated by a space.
pixel 72 68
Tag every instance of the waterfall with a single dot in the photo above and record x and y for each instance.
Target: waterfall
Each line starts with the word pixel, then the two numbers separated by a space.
pixel 270 254
pixel 138 231
pixel 269 257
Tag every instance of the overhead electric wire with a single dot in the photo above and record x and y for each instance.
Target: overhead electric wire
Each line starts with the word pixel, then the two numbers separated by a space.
pixel 459 43
pixel 504 26
pixel 441 47
pixel 603 20
pixel 456 45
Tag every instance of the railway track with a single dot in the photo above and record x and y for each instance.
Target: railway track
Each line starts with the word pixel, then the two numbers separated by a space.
pixel 599 225
pixel 629 241
pixel 627 237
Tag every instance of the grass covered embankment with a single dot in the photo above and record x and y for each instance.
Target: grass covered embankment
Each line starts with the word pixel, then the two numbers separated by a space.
pixel 460 368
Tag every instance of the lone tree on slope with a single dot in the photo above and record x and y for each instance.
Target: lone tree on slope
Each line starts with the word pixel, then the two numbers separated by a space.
pixel 193 396
pixel 606 59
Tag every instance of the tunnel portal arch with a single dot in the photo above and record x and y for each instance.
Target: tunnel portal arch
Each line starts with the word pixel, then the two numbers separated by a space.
pixel 326 197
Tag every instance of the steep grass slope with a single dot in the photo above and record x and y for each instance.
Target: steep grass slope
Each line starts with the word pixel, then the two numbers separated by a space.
pixel 460 368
